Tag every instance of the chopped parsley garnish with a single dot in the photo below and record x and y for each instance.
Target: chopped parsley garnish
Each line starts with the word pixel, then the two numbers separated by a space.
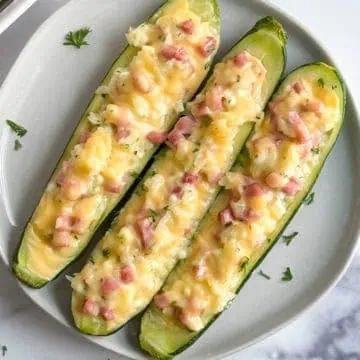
pixel 244 262
pixel 321 82
pixel 4 350
pixel 106 252
pixel 153 214
pixel 309 199
pixel 315 150
pixel 207 66
pixel 77 38
pixel 334 87
pixel 134 174
pixel 287 275
pixel 266 276
pixel 289 238
pixel 153 173
pixel 18 129
pixel 91 259
pixel 17 145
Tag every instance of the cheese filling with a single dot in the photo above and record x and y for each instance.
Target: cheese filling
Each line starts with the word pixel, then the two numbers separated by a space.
pixel 168 66
pixel 151 232
pixel 282 153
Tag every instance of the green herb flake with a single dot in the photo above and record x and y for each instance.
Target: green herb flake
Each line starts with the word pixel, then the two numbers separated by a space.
pixel 315 150
pixel 106 252
pixel 321 82
pixel 244 261
pixel 3 350
pixel 289 238
pixel 153 173
pixel 287 275
pixel 77 38
pixel 17 145
pixel 134 174
pixel 309 199
pixel 266 276
pixel 334 87
pixel 153 214
pixel 91 259
pixel 18 129
pixel 206 66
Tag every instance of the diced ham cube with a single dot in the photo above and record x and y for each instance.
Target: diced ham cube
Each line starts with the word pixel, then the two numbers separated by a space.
pixel 178 191
pixel 185 125
pixel 241 59
pixel 302 133
pixel 62 173
pixel 187 27
pixel 274 180
pixel 243 214
pixel 109 285
pixel 62 239
pixel 170 52
pixel 84 136
pixel 298 87
pixel 107 313
pixel 122 133
pixel 200 110
pixel 145 228
pixel 156 137
pixel 313 106
pixel 214 98
pixel 91 307
pixel 73 188
pixel 127 274
pixel 67 223
pixel 174 138
pixel 226 217
pixel 254 190
pixel 292 187
pixel 190 178
pixel 208 46
pixel 161 301
pixel 113 187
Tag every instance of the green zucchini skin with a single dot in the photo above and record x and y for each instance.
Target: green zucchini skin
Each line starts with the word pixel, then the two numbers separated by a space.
pixel 153 323
pixel 263 43
pixel 208 10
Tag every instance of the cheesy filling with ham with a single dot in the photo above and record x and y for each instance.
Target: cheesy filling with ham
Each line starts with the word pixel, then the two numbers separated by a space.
pixel 282 153
pixel 172 58
pixel 131 262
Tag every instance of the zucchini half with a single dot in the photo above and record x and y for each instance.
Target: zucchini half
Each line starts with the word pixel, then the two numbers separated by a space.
pixel 266 41
pixel 163 336
pixel 208 12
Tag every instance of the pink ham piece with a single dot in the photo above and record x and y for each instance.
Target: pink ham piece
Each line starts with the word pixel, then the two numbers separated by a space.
pixel 156 137
pixel 214 98
pixel 193 306
pixel 190 178
pixel 161 301
pixel 107 313
pixel 298 87
pixel 292 187
pixel 73 188
pixel 84 136
pixel 182 127
pixel 245 214
pixel 170 52
pixel 254 190
pixel 113 187
pixel 178 191
pixel 208 47
pixel 301 131
pixel 274 180
pixel 200 110
pixel 187 27
pixel 61 239
pixel 127 274
pixel 313 106
pixel 62 173
pixel 67 223
pixel 226 217
pixel 122 133
pixel 91 307
pixel 109 285
pixel 145 228
pixel 241 59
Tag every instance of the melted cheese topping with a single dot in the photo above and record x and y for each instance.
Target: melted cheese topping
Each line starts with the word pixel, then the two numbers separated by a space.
pixel 139 99
pixel 203 285
pixel 207 152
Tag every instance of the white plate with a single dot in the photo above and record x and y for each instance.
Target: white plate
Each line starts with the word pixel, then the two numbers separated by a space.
pixel 13 11
pixel 47 90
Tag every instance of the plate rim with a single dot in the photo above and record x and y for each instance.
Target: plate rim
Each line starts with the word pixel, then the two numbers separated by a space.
pixel 353 247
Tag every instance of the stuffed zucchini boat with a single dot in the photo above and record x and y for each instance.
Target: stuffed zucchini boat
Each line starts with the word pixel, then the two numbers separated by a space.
pixel 153 230
pixel 142 95
pixel 274 173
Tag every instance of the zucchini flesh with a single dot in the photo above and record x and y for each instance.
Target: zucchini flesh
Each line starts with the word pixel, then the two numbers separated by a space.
pixel 33 242
pixel 163 336
pixel 267 42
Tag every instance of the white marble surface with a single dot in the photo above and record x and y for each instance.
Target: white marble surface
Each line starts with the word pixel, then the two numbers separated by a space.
pixel 330 330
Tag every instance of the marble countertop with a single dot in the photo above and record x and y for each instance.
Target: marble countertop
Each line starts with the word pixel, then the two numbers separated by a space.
pixel 330 330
